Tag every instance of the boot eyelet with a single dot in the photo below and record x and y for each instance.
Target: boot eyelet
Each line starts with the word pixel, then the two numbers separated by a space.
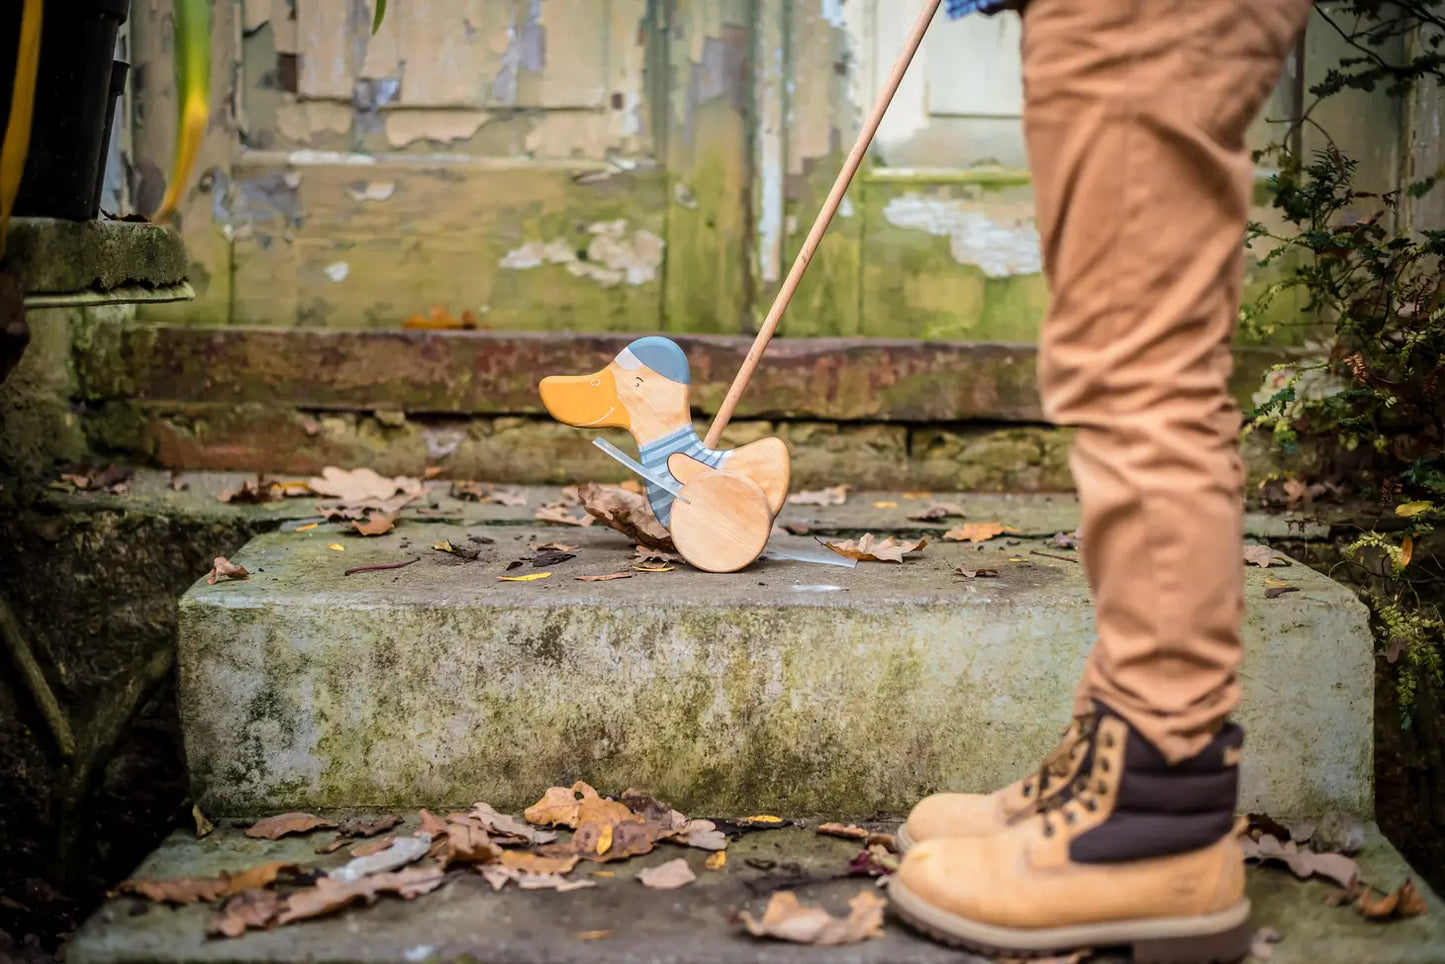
pixel 1104 764
pixel 1070 817
pixel 1107 740
pixel 1091 806
pixel 1048 829
pixel 1028 790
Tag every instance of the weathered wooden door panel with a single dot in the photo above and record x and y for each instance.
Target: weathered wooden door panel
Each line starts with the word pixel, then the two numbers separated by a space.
pixel 496 156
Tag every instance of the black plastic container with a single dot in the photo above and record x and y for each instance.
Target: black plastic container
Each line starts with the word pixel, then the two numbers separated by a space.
pixel 69 135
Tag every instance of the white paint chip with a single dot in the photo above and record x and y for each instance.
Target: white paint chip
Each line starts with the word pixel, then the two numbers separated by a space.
pixel 614 255
pixel 373 191
pixel 337 271
pixel 1001 248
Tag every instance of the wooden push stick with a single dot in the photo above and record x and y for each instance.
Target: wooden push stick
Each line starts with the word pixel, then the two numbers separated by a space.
pixel 820 226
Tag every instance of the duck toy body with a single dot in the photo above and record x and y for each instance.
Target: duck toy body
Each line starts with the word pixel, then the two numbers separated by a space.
pixel 719 505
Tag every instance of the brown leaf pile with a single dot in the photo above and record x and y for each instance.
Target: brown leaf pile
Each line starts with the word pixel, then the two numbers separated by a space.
pixel 628 513
pixel 190 890
pixel 438 318
pixel 869 548
pixel 112 479
pixel 849 832
pixel 789 920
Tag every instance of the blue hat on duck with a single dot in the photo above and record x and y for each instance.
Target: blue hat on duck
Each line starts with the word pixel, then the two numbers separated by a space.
pixel 662 355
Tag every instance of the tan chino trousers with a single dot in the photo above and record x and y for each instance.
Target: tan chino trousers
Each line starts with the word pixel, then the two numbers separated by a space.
pixel 1135 115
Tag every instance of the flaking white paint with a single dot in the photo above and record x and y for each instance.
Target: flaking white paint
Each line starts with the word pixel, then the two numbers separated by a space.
pixel 1000 245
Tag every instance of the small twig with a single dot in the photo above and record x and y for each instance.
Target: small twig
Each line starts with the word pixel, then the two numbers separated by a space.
pixel 35 681
pixel 1050 555
pixel 389 565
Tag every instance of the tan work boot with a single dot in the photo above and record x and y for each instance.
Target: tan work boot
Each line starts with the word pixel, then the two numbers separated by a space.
pixel 974 814
pixel 1142 854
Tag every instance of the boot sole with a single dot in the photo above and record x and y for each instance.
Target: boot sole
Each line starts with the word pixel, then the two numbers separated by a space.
pixel 1219 938
pixel 901 838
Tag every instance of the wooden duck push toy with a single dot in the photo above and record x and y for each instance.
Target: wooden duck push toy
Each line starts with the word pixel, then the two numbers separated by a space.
pixel 718 505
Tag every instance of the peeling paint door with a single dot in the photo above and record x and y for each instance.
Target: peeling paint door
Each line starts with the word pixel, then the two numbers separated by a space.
pixel 497 157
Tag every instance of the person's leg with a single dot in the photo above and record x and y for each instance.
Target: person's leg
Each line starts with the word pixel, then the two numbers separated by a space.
pixel 1136 115
pixel 1136 112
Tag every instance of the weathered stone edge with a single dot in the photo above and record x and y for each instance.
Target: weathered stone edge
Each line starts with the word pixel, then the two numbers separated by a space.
pixel 496 373
pixel 54 256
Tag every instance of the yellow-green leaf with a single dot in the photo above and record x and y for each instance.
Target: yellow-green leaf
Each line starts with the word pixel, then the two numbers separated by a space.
pixel 530 577
pixel 22 108
pixel 1411 509
pixel 380 13
pixel 193 84
pixel 1407 549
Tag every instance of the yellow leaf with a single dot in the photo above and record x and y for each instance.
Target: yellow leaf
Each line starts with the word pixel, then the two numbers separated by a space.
pixel 444 546
pixel 605 873
pixel 337 546
pixel 975 532
pixel 885 505
pixel 604 839
pixel 918 495
pixel 308 527
pixel 1015 558
pixel 764 818
pixel 530 577
pixel 1411 509
pixel 654 568
pixel 22 110
pixel 717 861
pixel 1275 582
pixel 1407 549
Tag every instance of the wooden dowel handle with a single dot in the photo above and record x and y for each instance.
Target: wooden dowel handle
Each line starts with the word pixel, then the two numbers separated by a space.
pixel 820 226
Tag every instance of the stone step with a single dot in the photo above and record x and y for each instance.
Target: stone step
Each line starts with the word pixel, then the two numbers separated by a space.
pixel 790 688
pixel 466 921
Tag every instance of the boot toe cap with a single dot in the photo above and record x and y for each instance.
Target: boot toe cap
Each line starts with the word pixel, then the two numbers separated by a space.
pixel 946 815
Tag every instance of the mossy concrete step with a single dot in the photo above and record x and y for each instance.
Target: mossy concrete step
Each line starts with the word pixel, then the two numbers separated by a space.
pixel 791 687
pixel 466 921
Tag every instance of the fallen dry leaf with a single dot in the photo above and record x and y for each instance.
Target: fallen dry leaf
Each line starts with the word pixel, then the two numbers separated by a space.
pixel 648 807
pixel 439 319
pixel 1063 540
pixel 430 824
pixel 836 495
pixel 885 840
pixel 561 515
pixel 716 861
pixel 849 832
pixel 470 555
pixel 939 511
pixel 274 828
pixel 975 532
pixel 530 577
pixel 609 577
pixel 1262 946
pixel 874 861
pixel 1263 557
pixel 552 547
pixel 976 573
pixel 403 851
pixel 537 863
pixel 377 524
pixel 630 838
pixel 645 556
pixel 362 485
pixel 668 876
pixel 499 876
pixel 505 825
pixel 248 910
pixel 190 890
pixel 372 847
pixel 204 827
pixel 1274 592
pixel 885 505
pixel 704 835
pixel 869 548
pixel 1303 863
pixel 1405 901
pixel 223 568
pixel 628 513
pixel 653 568
pixel 468 844
pixel 327 895
pixel 797 528
pixel 478 492
pixel 574 806
pixel 787 919
pixel 254 492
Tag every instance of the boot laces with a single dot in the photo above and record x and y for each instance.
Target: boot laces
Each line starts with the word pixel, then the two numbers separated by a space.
pixel 1056 766
pixel 1082 795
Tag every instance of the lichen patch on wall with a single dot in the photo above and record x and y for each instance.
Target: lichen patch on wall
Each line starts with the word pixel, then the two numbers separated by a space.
pixel 1000 239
